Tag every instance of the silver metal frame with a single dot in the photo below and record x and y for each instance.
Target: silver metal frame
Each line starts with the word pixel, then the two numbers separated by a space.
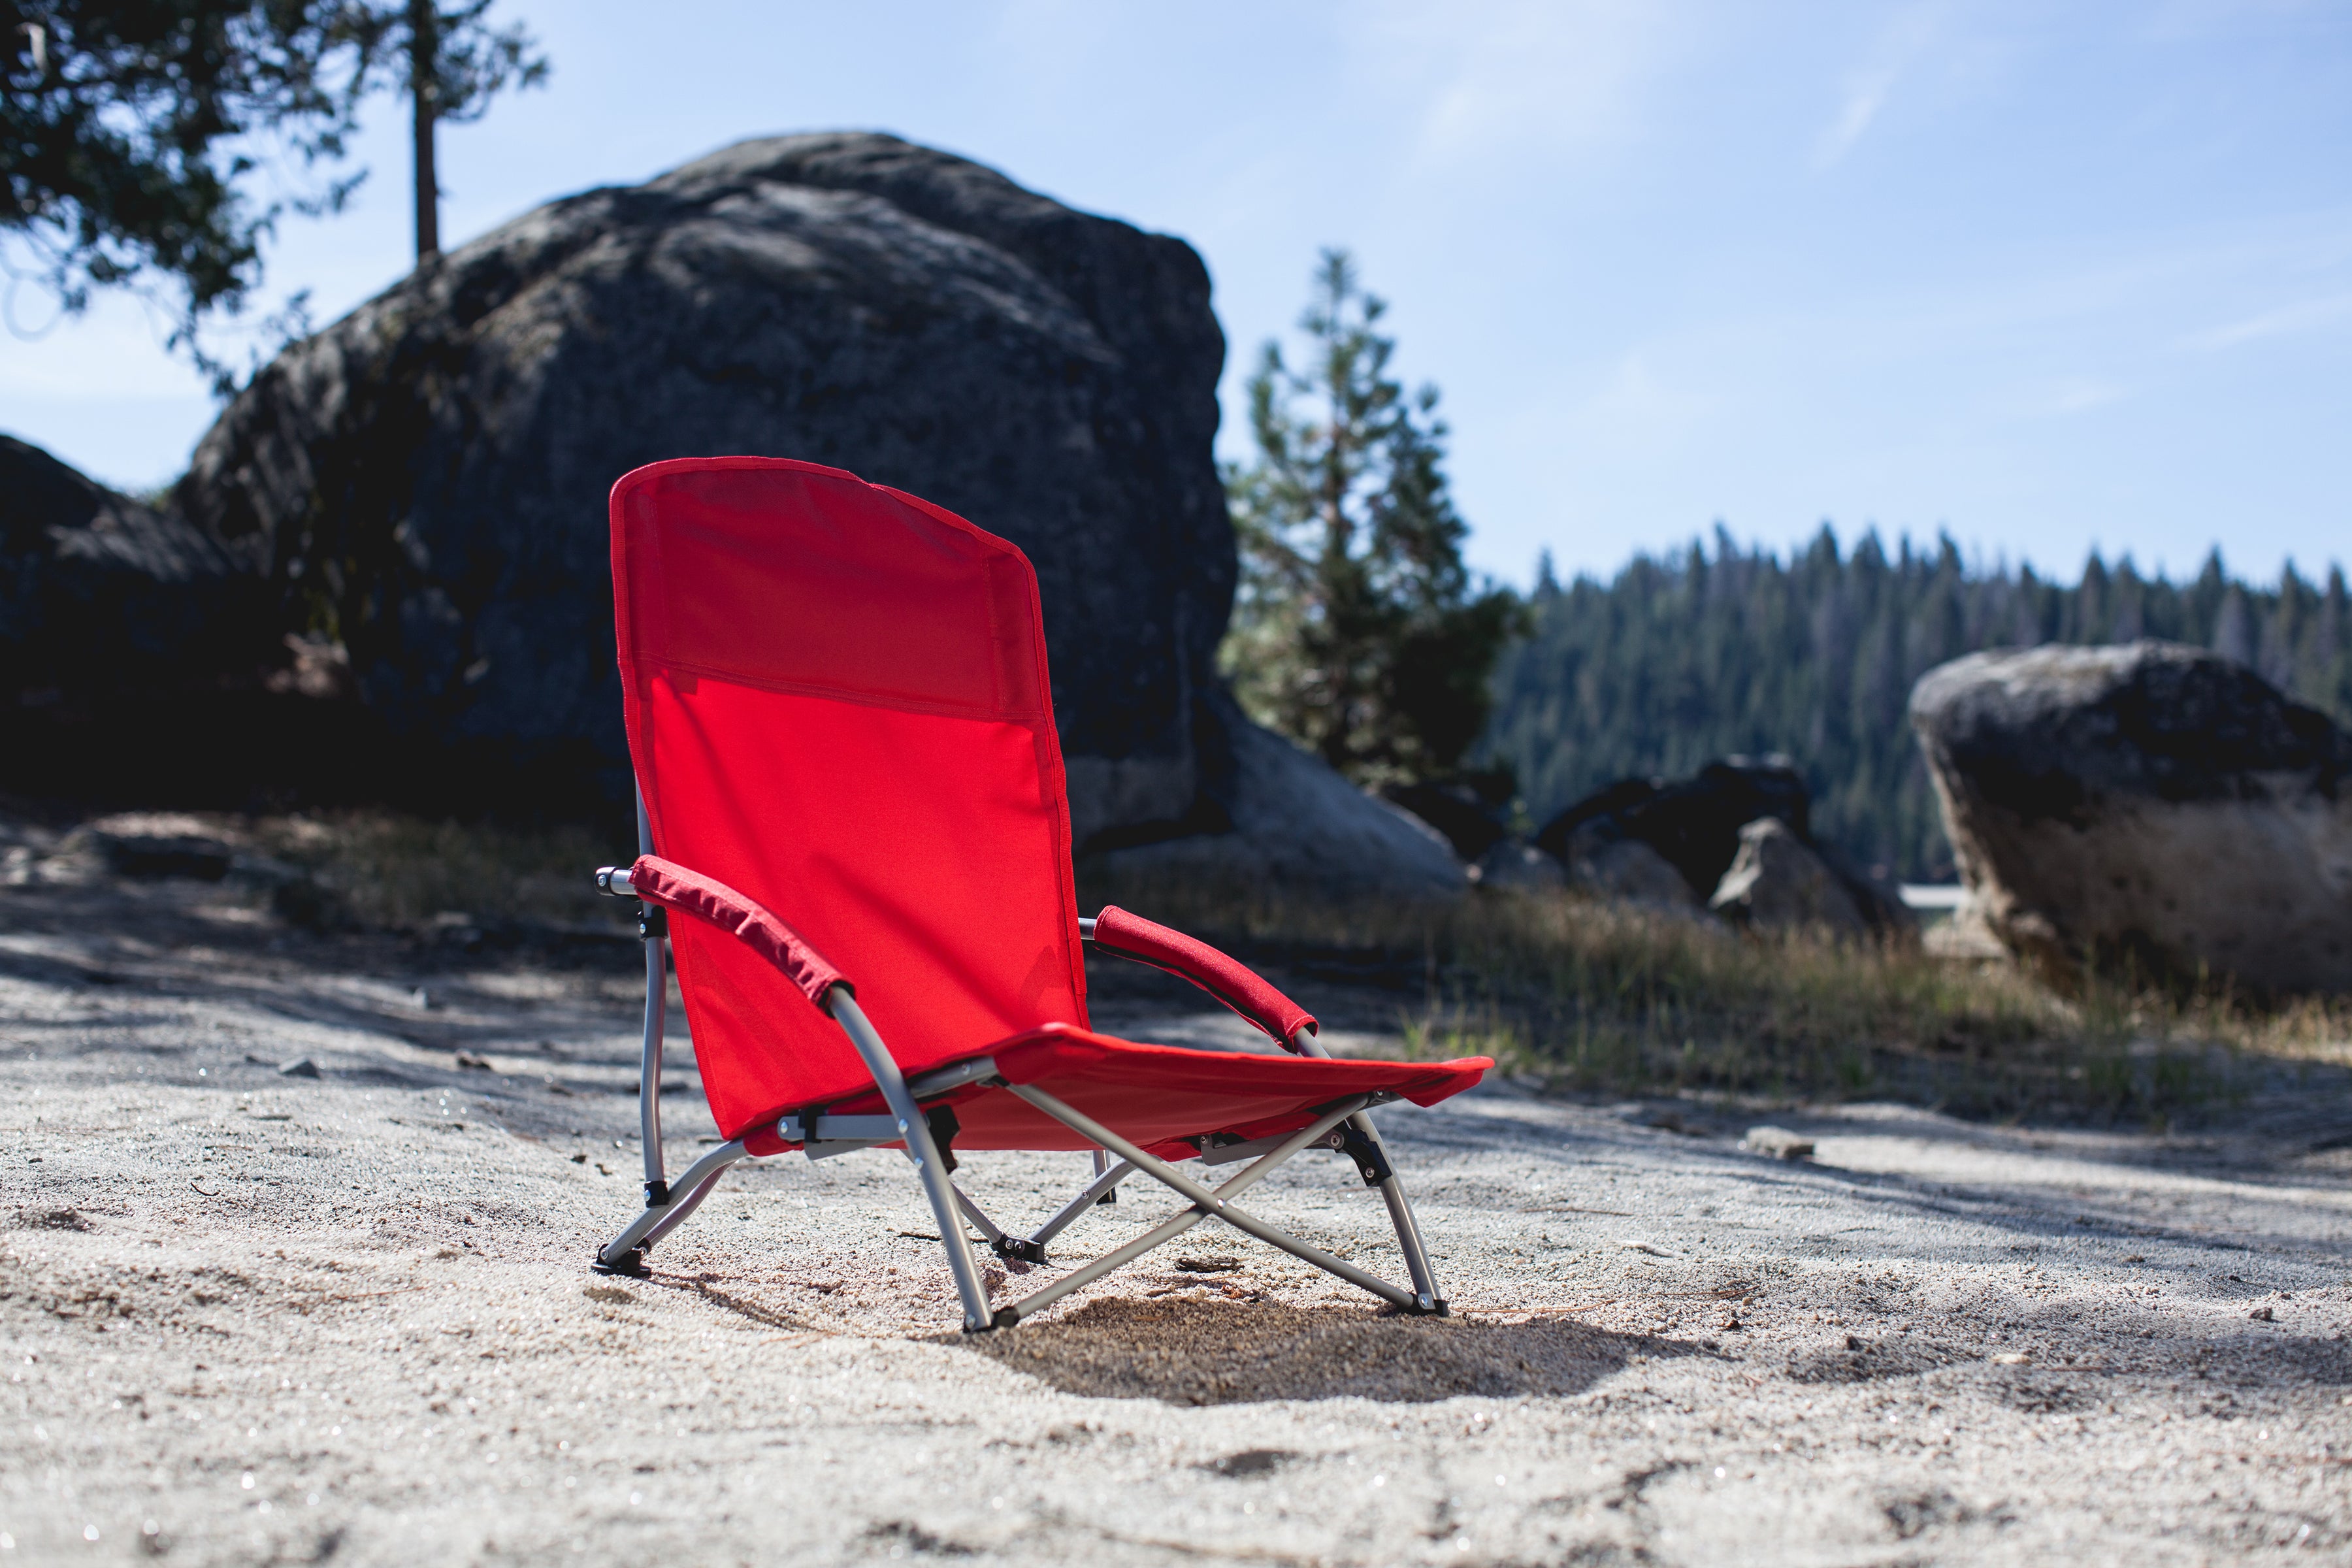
pixel 823 1135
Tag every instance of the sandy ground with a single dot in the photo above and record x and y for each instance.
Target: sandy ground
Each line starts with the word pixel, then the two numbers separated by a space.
pixel 250 1317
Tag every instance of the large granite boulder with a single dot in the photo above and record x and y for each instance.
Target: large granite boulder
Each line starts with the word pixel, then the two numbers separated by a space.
pixel 102 595
pixel 135 654
pixel 425 480
pixel 2151 805
pixel 1275 818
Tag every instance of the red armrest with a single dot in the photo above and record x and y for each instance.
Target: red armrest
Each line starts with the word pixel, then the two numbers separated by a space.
pixel 1227 979
pixel 673 886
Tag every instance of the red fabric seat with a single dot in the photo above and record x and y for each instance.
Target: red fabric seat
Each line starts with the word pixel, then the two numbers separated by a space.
pixel 838 707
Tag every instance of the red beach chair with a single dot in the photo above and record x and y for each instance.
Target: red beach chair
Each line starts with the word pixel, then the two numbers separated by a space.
pixel 839 716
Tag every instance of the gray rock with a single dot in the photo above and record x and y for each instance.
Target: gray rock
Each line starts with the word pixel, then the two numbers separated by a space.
pixel 1515 865
pixel 1693 822
pixel 1603 863
pixel 1779 1143
pixel 1291 825
pixel 1777 882
pixel 2151 805
pixel 429 474
pixel 101 596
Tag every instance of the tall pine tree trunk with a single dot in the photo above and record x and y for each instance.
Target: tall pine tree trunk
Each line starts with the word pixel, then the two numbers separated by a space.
pixel 424 51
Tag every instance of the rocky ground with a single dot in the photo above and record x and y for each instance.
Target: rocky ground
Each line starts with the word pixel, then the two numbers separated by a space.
pixel 251 1315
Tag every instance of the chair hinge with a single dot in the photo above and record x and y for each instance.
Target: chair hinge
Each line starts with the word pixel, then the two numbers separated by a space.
pixel 653 921
pixel 1019 1247
pixel 942 1120
pixel 1371 1160
pixel 657 1195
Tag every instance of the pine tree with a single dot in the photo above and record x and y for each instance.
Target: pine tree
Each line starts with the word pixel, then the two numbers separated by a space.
pixel 1357 629
pixel 134 133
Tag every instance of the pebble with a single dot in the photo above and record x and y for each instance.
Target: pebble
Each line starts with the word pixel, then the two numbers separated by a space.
pixel 1779 1143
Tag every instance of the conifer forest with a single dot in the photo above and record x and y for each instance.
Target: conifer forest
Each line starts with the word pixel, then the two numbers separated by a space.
pixel 1715 650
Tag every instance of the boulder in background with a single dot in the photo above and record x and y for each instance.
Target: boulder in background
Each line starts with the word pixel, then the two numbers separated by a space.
pixel 425 480
pixel 2151 806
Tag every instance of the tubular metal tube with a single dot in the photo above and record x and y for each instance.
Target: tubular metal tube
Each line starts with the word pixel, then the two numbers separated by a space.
pixel 1169 1176
pixel 695 1184
pixel 988 1227
pixel 649 1060
pixel 1084 1200
pixel 921 1148
pixel 679 1208
pixel 1175 1225
pixel 1416 1258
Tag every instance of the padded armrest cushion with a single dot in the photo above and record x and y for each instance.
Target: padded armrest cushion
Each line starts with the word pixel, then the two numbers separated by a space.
pixel 674 888
pixel 1227 979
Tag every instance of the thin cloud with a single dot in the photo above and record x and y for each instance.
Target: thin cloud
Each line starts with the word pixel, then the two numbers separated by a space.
pixel 1873 83
pixel 1568 78
pixel 2290 320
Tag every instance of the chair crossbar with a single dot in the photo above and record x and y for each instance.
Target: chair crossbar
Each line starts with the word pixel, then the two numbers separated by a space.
pixel 1176 1224
pixel 1088 1197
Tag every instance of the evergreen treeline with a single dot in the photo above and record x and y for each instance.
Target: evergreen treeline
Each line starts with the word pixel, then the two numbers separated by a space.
pixel 1695 655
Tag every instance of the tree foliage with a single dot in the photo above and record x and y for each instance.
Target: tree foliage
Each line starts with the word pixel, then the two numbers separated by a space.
pixel 1357 629
pixel 132 135
pixel 1698 655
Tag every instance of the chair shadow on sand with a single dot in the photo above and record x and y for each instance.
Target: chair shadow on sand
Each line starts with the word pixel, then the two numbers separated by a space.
pixel 1195 1351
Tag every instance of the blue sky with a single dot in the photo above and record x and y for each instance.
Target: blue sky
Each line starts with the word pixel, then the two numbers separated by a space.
pixel 2049 277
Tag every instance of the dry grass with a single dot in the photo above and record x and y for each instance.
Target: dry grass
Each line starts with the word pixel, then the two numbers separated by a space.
pixel 1590 996
pixel 1597 998
pixel 386 870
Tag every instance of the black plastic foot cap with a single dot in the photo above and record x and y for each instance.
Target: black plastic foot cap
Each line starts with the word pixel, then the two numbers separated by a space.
pixel 631 1263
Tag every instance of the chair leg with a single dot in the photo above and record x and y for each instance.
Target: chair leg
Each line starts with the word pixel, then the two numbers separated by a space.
pixel 916 1133
pixel 1391 1190
pixel 625 1253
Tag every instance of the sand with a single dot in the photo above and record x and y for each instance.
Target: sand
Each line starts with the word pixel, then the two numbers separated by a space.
pixel 252 1317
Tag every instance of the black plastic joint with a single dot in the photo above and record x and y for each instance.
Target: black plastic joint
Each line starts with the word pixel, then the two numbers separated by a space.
pixel 1371 1160
pixel 1021 1247
pixel 653 921
pixel 656 1195
pixel 1109 1197
pixel 631 1263
pixel 942 1120
pixel 1005 1318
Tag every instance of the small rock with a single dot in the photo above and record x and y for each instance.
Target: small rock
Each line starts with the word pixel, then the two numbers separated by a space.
pixel 1779 1143
pixel 468 1059
pixel 2263 1315
pixel 1778 881
pixel 166 855
pixel 1208 1265
pixel 1653 1251
pixel 2011 1358
pixel 300 1067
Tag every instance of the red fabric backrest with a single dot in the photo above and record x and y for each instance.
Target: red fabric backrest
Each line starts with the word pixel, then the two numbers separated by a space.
pixel 838 703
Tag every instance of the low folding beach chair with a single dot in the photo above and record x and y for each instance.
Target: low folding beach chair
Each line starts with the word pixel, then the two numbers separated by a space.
pixel 839 716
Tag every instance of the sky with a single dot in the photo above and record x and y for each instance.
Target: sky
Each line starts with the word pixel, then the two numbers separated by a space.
pixel 2050 277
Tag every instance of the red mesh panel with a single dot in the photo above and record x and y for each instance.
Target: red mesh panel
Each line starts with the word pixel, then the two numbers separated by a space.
pixel 836 704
